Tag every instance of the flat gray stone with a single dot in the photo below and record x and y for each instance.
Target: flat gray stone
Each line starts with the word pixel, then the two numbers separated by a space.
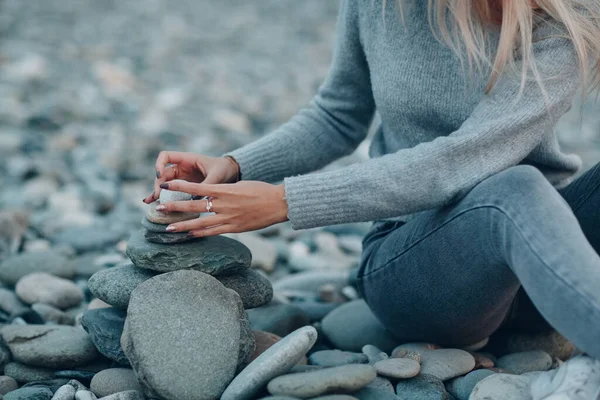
pixel 51 261
pixel 42 287
pixel 152 227
pixel 214 255
pixel 352 326
pixel 446 363
pixel 502 387
pixel 53 346
pixel 7 384
pixel 398 368
pixel 422 387
pixel 65 392
pixel 343 379
pixel 527 361
pixel 276 360
pixel 167 238
pixel 127 395
pixel 115 285
pixel 29 393
pixel 24 373
pixel 462 386
pixel 159 217
pixel 186 313
pixel 114 380
pixel 335 358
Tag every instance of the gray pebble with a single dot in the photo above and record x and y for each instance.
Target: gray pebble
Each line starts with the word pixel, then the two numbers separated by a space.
pixel 167 238
pixel 126 395
pixel 42 287
pixel 85 395
pixel 29 393
pixel 114 380
pixel 527 361
pixel 422 387
pixel 53 314
pixel 172 195
pixel 23 373
pixel 65 392
pixel 502 387
pixel 7 384
pixel 446 363
pixel 374 354
pixel 347 378
pixel 334 358
pixel 462 386
pixel 370 393
pixel 398 368
pixel 51 261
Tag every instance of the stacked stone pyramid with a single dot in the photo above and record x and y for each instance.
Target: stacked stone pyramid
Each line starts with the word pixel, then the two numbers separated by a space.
pixel 178 309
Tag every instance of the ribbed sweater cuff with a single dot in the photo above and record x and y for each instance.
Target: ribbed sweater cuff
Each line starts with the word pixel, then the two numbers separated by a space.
pixel 316 200
pixel 260 161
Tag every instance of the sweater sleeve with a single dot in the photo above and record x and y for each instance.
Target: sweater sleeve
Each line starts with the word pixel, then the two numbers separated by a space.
pixel 501 131
pixel 336 122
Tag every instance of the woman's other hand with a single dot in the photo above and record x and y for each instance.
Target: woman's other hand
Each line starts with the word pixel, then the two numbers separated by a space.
pixel 192 167
pixel 240 207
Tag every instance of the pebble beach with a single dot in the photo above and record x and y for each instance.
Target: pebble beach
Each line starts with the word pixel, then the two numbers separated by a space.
pixel 98 301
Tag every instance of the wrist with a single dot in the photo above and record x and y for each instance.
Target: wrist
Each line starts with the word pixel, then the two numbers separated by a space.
pixel 235 175
pixel 283 214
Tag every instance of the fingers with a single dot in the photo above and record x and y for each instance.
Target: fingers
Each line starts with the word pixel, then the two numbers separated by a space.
pixel 185 206
pixel 169 173
pixel 215 230
pixel 197 224
pixel 198 189
pixel 168 157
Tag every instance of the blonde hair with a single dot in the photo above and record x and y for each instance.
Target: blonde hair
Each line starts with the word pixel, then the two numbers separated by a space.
pixel 469 33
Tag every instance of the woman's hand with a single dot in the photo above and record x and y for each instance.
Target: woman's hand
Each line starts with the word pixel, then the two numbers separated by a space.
pixel 240 207
pixel 192 168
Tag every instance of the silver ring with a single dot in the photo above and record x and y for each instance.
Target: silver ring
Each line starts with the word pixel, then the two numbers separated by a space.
pixel 209 204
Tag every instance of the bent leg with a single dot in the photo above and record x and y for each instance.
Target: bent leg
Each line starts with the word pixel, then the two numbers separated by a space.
pixel 449 275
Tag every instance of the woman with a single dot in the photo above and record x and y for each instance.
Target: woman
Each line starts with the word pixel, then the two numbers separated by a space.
pixel 472 197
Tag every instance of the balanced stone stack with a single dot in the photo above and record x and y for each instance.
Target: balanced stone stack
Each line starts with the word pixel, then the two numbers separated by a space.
pixel 178 310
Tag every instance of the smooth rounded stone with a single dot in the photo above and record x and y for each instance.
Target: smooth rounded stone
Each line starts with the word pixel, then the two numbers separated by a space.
pixel 7 384
pixel 167 238
pixel 53 346
pixel 53 314
pixel 114 380
pixel 370 393
pixel 528 361
pixel 24 373
pixel 159 217
pixel 65 392
pixel 214 255
pixel 334 358
pixel 105 327
pixel 552 342
pixel 421 387
pixel 352 325
pixel 89 238
pixel 41 287
pixel 462 386
pixel 166 196
pixel 152 227
pixel 502 387
pixel 10 302
pixel 254 288
pixel 85 395
pixel 51 261
pixel 198 317
pixel 30 393
pixel 276 360
pixel 280 319
pixel 114 285
pixel 315 310
pixel 310 281
pixel 398 368
pixel 446 363
pixel 374 354
pixel 342 379
pixel 126 395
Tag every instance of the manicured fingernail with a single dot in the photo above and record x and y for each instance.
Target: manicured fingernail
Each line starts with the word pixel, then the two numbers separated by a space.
pixel 164 186
pixel 161 208
pixel 143 200
pixel 157 173
pixel 170 228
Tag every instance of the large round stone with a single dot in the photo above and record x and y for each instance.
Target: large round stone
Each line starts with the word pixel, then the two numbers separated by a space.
pixel 14 268
pixel 276 360
pixel 114 285
pixel 52 346
pixel 186 335
pixel 214 255
pixel 352 326
pixel 41 287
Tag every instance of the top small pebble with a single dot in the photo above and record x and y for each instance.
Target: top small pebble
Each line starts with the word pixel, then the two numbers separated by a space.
pixel 171 195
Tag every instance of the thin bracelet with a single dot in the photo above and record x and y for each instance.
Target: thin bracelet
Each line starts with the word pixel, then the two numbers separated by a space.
pixel 238 176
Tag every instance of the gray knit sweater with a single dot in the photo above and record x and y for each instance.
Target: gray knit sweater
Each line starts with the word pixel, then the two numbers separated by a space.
pixel 440 134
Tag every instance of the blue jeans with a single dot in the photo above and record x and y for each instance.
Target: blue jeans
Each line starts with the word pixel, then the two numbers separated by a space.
pixel 452 275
